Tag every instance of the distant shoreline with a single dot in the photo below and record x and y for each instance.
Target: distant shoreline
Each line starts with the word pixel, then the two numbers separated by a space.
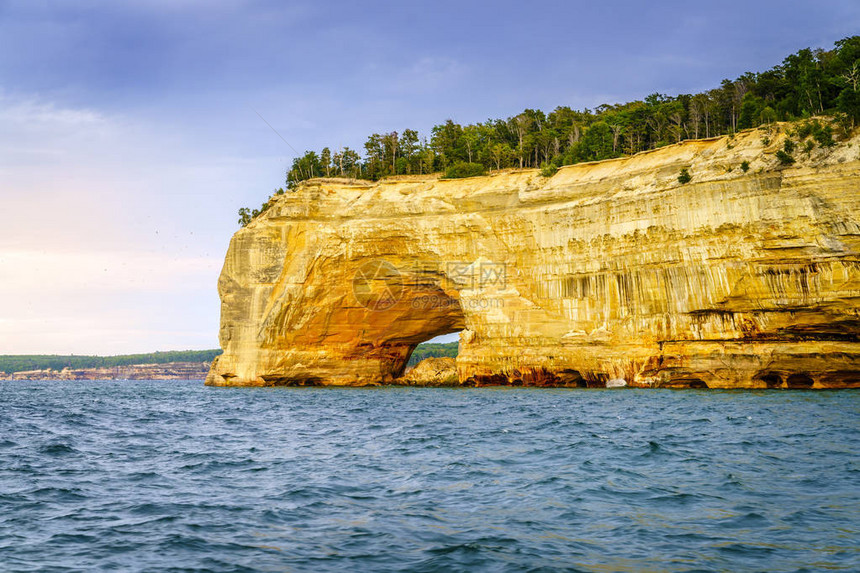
pixel 165 365
pixel 12 363
pixel 167 371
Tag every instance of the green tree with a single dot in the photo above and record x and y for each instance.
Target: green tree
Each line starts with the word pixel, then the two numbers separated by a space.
pixel 462 169
pixel 848 103
pixel 379 155
pixel 350 163
pixel 244 216
pixel 768 115
pixel 446 142
pixel 471 139
pixel 751 111
pixel 391 142
pixel 305 167
pixel 501 153
pixel 325 161
pixel 520 126
pixel 409 150
pixel 784 157
pixel 548 169
pixel 596 143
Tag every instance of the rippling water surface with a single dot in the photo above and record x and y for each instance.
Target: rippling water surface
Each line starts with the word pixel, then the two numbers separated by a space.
pixel 174 476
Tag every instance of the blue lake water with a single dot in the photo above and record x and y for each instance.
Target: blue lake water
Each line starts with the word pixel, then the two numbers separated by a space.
pixel 174 476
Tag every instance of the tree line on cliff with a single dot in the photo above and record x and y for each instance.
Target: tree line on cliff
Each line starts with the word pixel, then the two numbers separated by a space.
pixel 807 83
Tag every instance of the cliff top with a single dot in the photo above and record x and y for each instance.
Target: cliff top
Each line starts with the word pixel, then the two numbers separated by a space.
pixel 706 160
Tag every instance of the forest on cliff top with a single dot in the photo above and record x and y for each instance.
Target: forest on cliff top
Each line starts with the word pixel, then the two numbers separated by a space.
pixel 807 83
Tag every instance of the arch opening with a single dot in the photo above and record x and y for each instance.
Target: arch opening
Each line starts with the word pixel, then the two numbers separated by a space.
pixel 444 346
pixel 425 309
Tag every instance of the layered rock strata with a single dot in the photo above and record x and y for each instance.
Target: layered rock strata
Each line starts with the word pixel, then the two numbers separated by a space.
pixel 605 271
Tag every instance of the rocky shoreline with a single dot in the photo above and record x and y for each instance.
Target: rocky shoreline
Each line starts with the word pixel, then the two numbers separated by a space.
pixel 168 371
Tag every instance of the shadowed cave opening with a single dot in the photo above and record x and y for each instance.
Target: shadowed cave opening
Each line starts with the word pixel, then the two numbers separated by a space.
pixel 539 378
pixel 799 381
pixel 691 383
pixel 770 379
pixel 573 378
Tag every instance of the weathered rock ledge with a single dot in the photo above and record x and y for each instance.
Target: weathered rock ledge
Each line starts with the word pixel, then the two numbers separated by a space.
pixel 605 271
pixel 431 372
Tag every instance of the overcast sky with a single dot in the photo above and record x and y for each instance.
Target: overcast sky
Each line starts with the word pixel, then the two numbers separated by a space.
pixel 129 138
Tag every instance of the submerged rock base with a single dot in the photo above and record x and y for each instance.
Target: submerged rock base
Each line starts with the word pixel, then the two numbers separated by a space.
pixel 604 272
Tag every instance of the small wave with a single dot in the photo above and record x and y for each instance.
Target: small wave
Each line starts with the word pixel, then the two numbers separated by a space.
pixel 655 449
pixel 59 494
pixel 749 520
pixel 58 450
pixel 72 538
pixel 676 499
pixel 747 550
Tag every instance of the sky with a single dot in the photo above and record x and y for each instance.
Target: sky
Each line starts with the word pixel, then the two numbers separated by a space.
pixel 130 134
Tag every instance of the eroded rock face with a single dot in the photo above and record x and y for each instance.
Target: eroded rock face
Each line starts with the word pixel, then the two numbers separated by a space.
pixel 610 270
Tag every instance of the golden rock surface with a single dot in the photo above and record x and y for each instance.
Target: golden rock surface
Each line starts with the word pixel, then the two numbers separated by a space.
pixel 441 371
pixel 605 271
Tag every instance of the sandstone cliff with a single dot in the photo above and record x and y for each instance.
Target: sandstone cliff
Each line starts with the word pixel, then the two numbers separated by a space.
pixel 608 270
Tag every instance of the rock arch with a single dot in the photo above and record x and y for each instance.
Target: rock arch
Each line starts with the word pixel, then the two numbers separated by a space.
pixel 611 269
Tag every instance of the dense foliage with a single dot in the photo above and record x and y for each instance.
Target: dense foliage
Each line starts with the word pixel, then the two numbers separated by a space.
pixel 462 169
pixel 12 363
pixel 434 350
pixel 807 83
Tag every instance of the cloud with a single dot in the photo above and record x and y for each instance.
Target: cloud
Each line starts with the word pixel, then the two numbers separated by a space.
pixel 35 131
pixel 32 112
pixel 110 302
pixel 431 73
pixel 35 272
pixel 114 230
